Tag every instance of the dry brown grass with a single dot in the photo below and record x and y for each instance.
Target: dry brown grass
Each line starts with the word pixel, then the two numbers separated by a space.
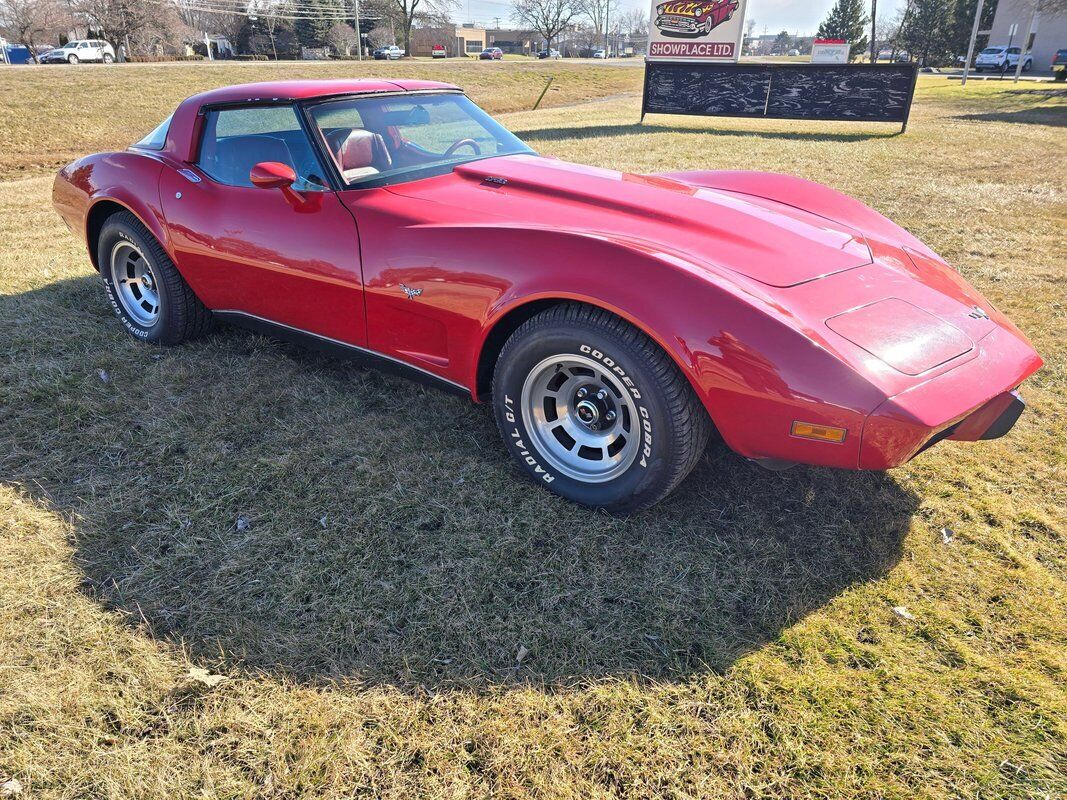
pixel 55 114
pixel 736 641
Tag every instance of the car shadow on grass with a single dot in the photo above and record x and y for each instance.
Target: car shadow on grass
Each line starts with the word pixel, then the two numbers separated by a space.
pixel 643 128
pixel 269 510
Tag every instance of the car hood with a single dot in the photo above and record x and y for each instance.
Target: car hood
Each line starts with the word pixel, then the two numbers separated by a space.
pixel 775 244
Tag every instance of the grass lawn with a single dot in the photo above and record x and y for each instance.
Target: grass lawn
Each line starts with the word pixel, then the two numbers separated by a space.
pixel 358 560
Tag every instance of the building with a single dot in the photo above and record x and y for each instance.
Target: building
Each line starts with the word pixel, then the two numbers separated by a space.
pixel 510 40
pixel 1047 35
pixel 458 40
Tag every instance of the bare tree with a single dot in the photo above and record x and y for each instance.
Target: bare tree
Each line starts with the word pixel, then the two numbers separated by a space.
pixel 634 22
pixel 342 38
pixel 546 17
pixel 30 22
pixel 117 20
pixel 602 14
pixel 401 14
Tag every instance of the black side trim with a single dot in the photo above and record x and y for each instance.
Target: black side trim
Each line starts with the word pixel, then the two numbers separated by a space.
pixel 937 437
pixel 333 347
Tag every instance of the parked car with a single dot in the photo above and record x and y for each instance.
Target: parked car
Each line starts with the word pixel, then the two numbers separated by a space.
pixel 801 325
pixel 491 54
pixel 438 51
pixel 793 53
pixel 1059 65
pixel 392 53
pixel 1001 59
pixel 599 54
pixel 79 51
pixel 549 54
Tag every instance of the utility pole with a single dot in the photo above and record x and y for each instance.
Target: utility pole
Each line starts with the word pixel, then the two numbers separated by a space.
pixel 1026 42
pixel 607 27
pixel 359 34
pixel 974 37
pixel 874 28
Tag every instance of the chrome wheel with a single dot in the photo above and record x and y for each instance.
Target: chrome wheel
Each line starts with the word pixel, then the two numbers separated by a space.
pixel 135 284
pixel 583 420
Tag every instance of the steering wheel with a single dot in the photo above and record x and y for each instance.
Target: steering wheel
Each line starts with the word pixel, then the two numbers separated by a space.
pixel 452 148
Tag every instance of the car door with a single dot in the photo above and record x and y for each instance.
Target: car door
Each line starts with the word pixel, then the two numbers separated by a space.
pixel 284 255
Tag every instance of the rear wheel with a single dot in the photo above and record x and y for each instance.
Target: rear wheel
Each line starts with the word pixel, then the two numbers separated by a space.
pixel 147 293
pixel 595 411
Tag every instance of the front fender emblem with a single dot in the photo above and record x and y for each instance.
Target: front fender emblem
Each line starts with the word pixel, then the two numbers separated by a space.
pixel 978 313
pixel 410 292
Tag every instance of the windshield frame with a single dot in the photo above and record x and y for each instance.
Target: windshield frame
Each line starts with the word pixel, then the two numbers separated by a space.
pixel 306 108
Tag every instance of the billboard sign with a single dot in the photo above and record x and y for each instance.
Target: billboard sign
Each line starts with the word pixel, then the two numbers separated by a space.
pixel 696 30
pixel 830 51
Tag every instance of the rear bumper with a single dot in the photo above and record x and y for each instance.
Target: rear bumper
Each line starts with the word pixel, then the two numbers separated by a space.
pixel 976 400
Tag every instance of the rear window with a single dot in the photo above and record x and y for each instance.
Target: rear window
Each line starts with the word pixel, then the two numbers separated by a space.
pixel 157 138
pixel 992 51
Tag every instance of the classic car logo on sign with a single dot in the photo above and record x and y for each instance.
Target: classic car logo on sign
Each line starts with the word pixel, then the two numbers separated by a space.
pixel 685 18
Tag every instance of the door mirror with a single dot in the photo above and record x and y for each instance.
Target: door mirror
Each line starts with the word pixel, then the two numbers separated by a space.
pixel 272 175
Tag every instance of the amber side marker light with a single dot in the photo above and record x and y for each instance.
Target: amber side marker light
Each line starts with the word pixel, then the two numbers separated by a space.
pixel 820 433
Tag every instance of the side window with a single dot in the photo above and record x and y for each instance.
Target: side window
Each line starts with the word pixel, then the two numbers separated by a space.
pixel 157 138
pixel 83 45
pixel 236 139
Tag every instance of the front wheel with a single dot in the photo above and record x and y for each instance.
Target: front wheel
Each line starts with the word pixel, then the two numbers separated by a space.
pixel 108 58
pixel 72 59
pixel 595 411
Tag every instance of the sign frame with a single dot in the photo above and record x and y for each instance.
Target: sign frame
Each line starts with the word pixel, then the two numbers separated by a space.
pixel 760 103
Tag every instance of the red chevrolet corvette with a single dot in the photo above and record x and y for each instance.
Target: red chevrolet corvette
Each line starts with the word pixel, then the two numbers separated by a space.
pixel 613 320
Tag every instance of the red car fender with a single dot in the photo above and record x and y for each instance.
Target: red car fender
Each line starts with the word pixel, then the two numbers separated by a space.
pixel 743 356
pixel 111 178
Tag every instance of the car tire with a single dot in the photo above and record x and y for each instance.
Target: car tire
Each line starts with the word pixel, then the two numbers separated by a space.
pixel 72 59
pixel 576 369
pixel 108 58
pixel 1027 65
pixel 145 289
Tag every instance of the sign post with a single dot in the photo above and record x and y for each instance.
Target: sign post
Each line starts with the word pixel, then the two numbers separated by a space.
pixel 974 36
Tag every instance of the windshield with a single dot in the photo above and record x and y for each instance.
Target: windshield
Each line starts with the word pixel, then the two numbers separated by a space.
pixel 380 140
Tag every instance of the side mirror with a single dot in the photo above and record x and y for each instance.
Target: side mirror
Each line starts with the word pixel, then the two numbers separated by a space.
pixel 272 175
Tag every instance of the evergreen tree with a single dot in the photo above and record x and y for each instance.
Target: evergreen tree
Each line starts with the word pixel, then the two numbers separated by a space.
pixel 847 20
pixel 963 19
pixel 320 16
pixel 928 32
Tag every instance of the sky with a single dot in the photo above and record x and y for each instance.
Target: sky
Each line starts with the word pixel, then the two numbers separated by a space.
pixel 796 16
